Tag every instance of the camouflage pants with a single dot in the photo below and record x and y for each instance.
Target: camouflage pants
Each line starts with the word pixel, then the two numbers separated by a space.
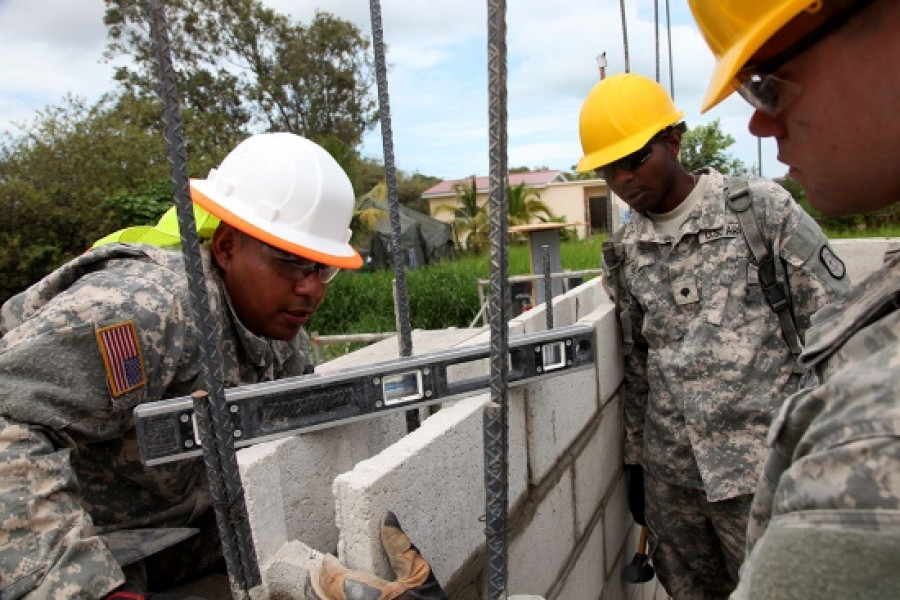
pixel 698 546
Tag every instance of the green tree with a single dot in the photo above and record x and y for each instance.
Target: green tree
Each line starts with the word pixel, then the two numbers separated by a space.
pixel 705 146
pixel 884 218
pixel 470 220
pixel 57 177
pixel 242 66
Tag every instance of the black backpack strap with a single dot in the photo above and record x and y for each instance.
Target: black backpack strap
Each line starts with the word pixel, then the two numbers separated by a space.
pixel 612 267
pixel 740 199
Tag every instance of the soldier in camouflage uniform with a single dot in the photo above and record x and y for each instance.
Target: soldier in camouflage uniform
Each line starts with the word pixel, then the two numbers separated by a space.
pixel 823 80
pixel 113 329
pixel 707 363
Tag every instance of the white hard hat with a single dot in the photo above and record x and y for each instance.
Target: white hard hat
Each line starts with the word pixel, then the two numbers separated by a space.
pixel 286 191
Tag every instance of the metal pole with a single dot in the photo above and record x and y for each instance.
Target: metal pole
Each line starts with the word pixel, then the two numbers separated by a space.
pixel 496 435
pixel 218 438
pixel 401 301
pixel 548 285
pixel 656 34
pixel 669 39
pixel 624 35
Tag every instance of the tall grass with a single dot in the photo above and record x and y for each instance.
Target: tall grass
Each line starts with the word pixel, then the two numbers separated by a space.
pixel 440 296
pixel 446 294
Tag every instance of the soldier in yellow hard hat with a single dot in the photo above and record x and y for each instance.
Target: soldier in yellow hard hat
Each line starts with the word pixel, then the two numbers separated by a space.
pixel 824 79
pixel 715 279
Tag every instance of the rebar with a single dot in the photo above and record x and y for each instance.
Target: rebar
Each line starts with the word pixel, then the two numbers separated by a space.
pixel 219 456
pixel 496 436
pixel 548 284
pixel 401 299
pixel 624 35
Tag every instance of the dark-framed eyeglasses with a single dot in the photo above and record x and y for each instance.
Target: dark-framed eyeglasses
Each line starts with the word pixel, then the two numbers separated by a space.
pixel 634 160
pixel 769 94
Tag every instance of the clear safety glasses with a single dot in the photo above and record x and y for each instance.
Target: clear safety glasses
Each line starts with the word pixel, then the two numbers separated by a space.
pixel 297 267
pixel 770 94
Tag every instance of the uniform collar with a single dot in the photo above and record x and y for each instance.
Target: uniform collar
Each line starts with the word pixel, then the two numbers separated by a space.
pixel 710 213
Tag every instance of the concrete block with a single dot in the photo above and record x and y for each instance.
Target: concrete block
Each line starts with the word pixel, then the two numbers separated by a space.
pixel 587 577
pixel 589 296
pixel 259 469
pixel 309 464
pixel 617 523
pixel 433 480
pixel 863 256
pixel 423 342
pixel 598 466
pixel 558 408
pixel 610 369
pixel 538 555
pixel 284 573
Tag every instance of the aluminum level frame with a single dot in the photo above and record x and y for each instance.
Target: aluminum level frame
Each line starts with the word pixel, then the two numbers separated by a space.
pixel 167 429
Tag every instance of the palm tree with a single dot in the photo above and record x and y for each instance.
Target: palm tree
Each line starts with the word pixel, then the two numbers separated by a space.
pixel 367 215
pixel 526 206
pixel 470 220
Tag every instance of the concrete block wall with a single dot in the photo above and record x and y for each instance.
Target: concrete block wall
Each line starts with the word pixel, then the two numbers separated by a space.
pixel 570 533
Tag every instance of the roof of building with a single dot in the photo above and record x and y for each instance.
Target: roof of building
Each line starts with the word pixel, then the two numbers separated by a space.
pixel 535 179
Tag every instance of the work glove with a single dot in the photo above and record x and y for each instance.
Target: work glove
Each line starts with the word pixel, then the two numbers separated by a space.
pixel 415 579
pixel 636 492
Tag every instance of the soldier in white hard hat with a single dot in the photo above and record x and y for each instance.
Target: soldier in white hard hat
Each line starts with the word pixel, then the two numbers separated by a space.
pixel 113 329
pixel 823 79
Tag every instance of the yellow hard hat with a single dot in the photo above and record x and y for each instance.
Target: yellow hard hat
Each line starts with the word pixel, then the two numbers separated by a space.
pixel 619 116
pixel 735 30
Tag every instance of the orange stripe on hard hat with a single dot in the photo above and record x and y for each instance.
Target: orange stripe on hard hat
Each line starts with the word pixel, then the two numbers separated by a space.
pixel 344 262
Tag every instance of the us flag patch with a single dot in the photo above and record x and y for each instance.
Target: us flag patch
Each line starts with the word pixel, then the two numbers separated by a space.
pixel 122 357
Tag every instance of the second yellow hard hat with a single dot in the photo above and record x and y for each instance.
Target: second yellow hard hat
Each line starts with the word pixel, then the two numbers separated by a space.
pixel 620 115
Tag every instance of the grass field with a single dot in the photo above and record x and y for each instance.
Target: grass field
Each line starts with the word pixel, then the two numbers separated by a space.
pixel 446 294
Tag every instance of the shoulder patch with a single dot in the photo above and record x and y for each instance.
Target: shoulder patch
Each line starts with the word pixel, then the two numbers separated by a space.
pixel 834 265
pixel 122 357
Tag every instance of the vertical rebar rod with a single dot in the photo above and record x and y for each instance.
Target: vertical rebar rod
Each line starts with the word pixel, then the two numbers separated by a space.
pixel 218 438
pixel 656 35
pixel 669 40
pixel 624 35
pixel 548 285
pixel 496 436
pixel 401 299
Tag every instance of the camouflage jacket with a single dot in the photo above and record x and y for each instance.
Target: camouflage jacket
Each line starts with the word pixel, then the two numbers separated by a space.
pixel 709 366
pixel 826 514
pixel 79 350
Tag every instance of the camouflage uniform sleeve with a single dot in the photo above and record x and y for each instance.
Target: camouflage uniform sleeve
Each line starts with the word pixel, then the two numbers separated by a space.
pixel 826 516
pixel 815 274
pixel 634 389
pixel 634 392
pixel 55 400
pixel 48 548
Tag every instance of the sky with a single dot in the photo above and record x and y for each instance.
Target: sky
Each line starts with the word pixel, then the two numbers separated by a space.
pixel 437 73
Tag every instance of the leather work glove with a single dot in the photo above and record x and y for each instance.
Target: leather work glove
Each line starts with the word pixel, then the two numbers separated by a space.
pixel 636 492
pixel 415 579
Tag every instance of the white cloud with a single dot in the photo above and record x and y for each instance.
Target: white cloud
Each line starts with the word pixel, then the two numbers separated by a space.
pixel 437 78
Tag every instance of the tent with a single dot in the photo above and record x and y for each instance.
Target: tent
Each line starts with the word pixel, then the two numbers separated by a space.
pixel 423 239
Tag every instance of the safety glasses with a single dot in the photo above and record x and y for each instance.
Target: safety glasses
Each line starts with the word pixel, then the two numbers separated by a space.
pixel 634 160
pixel 297 267
pixel 769 94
